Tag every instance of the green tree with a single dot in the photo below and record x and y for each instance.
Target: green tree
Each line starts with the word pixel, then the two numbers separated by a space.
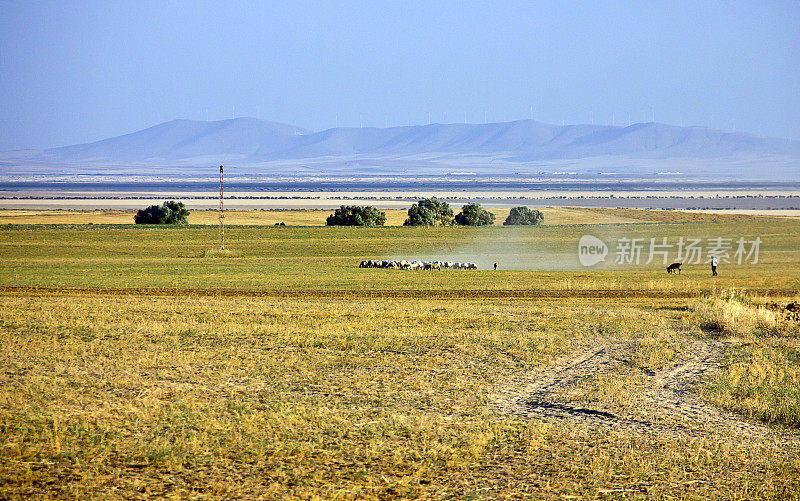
pixel 355 215
pixel 429 212
pixel 420 216
pixel 171 212
pixel 524 215
pixel 474 215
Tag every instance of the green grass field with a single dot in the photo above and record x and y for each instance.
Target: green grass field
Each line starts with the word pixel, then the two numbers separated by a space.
pixel 327 258
pixel 286 387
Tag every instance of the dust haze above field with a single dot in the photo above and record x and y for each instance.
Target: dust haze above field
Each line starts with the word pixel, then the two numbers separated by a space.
pixel 258 147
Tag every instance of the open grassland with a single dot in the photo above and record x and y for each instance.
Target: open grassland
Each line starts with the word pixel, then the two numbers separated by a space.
pixel 394 217
pixel 309 217
pixel 141 368
pixel 670 216
pixel 144 396
pixel 268 257
pixel 761 376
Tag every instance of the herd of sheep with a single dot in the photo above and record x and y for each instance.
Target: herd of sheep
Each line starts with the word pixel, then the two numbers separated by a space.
pixel 417 265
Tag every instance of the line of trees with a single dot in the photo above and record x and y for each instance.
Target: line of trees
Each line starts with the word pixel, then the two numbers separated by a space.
pixel 433 212
pixel 426 212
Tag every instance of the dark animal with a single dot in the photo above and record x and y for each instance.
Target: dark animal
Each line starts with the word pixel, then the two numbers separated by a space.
pixel 674 268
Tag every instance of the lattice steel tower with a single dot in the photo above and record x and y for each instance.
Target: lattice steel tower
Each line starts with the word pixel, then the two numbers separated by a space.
pixel 221 214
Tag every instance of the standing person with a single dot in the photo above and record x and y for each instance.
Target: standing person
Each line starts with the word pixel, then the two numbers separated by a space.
pixel 713 266
pixel 495 266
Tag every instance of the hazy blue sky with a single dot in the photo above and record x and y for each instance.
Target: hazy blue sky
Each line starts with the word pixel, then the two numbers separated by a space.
pixel 80 71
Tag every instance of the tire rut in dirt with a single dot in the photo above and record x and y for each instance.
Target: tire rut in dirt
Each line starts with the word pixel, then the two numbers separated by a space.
pixel 669 403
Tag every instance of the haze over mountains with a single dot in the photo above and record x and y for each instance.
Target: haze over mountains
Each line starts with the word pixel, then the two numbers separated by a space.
pixel 260 147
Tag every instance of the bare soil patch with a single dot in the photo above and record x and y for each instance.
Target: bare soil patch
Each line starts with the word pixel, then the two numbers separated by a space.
pixel 427 294
pixel 432 294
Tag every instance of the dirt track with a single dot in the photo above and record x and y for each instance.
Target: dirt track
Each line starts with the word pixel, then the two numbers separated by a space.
pixel 668 404
pixel 433 294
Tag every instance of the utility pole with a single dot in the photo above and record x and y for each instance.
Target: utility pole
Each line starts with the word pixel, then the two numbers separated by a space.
pixel 221 214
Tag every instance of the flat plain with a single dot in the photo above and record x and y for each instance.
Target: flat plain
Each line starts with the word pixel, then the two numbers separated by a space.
pixel 134 366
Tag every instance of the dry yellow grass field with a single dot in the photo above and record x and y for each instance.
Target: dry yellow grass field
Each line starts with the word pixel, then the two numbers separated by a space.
pixel 314 217
pixel 212 397
pixel 142 369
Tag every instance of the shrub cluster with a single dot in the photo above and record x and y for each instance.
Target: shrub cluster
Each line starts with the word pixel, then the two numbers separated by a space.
pixel 429 212
pixel 524 215
pixel 171 212
pixel 433 212
pixel 355 215
pixel 474 215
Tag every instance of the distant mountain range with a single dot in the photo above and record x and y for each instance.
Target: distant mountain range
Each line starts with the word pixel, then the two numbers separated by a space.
pixel 258 146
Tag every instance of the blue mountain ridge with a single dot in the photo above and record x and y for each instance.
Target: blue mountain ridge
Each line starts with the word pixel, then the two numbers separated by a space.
pixel 254 140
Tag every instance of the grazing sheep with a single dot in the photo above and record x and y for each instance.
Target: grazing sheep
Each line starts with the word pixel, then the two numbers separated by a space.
pixel 416 265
